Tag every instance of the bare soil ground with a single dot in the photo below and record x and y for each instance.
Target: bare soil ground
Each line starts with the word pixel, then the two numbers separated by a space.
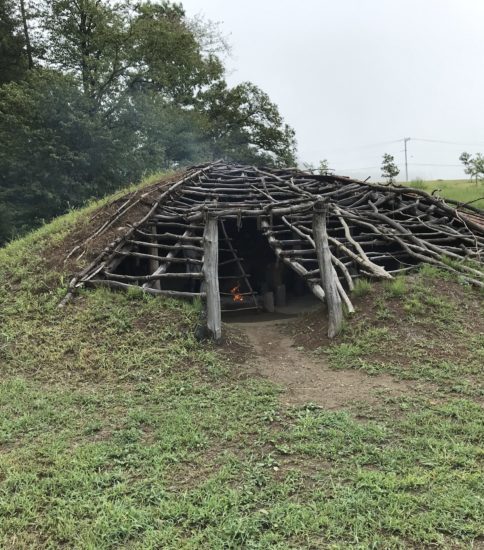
pixel 308 378
pixel 55 257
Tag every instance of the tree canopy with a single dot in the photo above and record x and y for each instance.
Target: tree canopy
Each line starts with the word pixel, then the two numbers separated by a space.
pixel 95 93
pixel 13 62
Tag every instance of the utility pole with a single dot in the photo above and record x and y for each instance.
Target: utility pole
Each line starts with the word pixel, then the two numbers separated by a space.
pixel 405 140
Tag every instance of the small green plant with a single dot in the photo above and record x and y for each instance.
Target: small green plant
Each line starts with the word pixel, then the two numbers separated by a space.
pixel 135 293
pixel 396 287
pixel 428 270
pixel 362 287
pixel 382 311
pixel 414 305
pixel 450 262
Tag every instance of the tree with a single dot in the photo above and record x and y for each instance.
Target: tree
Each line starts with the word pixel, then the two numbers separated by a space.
pixel 28 43
pixel 59 155
pixel 473 165
pixel 121 55
pixel 244 125
pixel 389 169
pixel 115 50
pixel 13 62
pixel 323 167
pixel 115 90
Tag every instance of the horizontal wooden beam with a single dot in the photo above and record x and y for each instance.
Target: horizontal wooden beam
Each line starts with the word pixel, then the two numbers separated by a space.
pixel 148 290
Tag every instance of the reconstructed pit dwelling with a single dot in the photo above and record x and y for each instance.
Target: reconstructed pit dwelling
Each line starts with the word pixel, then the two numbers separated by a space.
pixel 245 237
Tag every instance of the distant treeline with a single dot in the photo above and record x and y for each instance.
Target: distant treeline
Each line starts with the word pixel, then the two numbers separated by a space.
pixel 96 93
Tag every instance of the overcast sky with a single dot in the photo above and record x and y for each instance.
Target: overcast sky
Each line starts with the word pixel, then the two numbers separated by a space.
pixel 354 76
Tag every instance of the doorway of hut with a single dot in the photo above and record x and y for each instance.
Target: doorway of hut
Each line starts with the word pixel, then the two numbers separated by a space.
pixel 252 280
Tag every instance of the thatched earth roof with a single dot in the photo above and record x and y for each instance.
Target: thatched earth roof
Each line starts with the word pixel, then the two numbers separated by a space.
pixel 374 231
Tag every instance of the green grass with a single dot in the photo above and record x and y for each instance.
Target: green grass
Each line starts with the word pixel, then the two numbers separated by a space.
pixel 459 190
pixel 119 430
pixel 361 287
pixel 397 286
pixel 423 328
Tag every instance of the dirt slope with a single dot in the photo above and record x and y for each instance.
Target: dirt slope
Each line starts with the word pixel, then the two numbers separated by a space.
pixel 308 378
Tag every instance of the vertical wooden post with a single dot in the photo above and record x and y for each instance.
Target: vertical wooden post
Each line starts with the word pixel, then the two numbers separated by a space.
pixel 154 264
pixel 210 271
pixel 327 273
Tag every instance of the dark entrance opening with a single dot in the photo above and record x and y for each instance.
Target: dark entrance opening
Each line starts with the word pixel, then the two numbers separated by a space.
pixel 250 274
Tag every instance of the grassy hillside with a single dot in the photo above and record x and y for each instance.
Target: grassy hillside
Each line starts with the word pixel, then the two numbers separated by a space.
pixel 458 190
pixel 119 430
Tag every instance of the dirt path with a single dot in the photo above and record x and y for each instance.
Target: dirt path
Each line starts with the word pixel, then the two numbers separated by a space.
pixel 308 378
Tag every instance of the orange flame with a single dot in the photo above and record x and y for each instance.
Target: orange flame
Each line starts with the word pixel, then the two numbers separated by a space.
pixel 236 296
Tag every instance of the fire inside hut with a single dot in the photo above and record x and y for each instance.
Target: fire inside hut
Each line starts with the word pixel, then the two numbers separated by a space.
pixel 246 237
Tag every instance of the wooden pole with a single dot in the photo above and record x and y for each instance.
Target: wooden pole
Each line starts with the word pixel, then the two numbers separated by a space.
pixel 154 264
pixel 328 276
pixel 210 271
pixel 162 267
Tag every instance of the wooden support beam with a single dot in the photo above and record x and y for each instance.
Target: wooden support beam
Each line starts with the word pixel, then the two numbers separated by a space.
pixel 153 277
pixel 166 264
pixel 159 246
pixel 154 264
pixel 368 223
pixel 316 289
pixel 169 258
pixel 327 273
pixel 173 236
pixel 126 286
pixel 210 271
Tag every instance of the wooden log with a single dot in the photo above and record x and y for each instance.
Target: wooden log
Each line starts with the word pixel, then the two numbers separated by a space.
pixel 126 286
pixel 166 264
pixel 268 300
pixel 159 246
pixel 174 236
pixel 335 260
pixel 239 276
pixel 167 258
pixel 327 274
pixel 374 267
pixel 268 209
pixel 154 264
pixel 153 277
pixel 280 295
pixel 230 261
pixel 210 272
pixel 316 289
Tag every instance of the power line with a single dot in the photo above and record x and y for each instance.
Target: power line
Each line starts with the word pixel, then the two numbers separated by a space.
pixel 410 164
pixel 405 141
pixel 390 142
pixel 359 147
pixel 426 164
pixel 448 142
pixel 356 169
